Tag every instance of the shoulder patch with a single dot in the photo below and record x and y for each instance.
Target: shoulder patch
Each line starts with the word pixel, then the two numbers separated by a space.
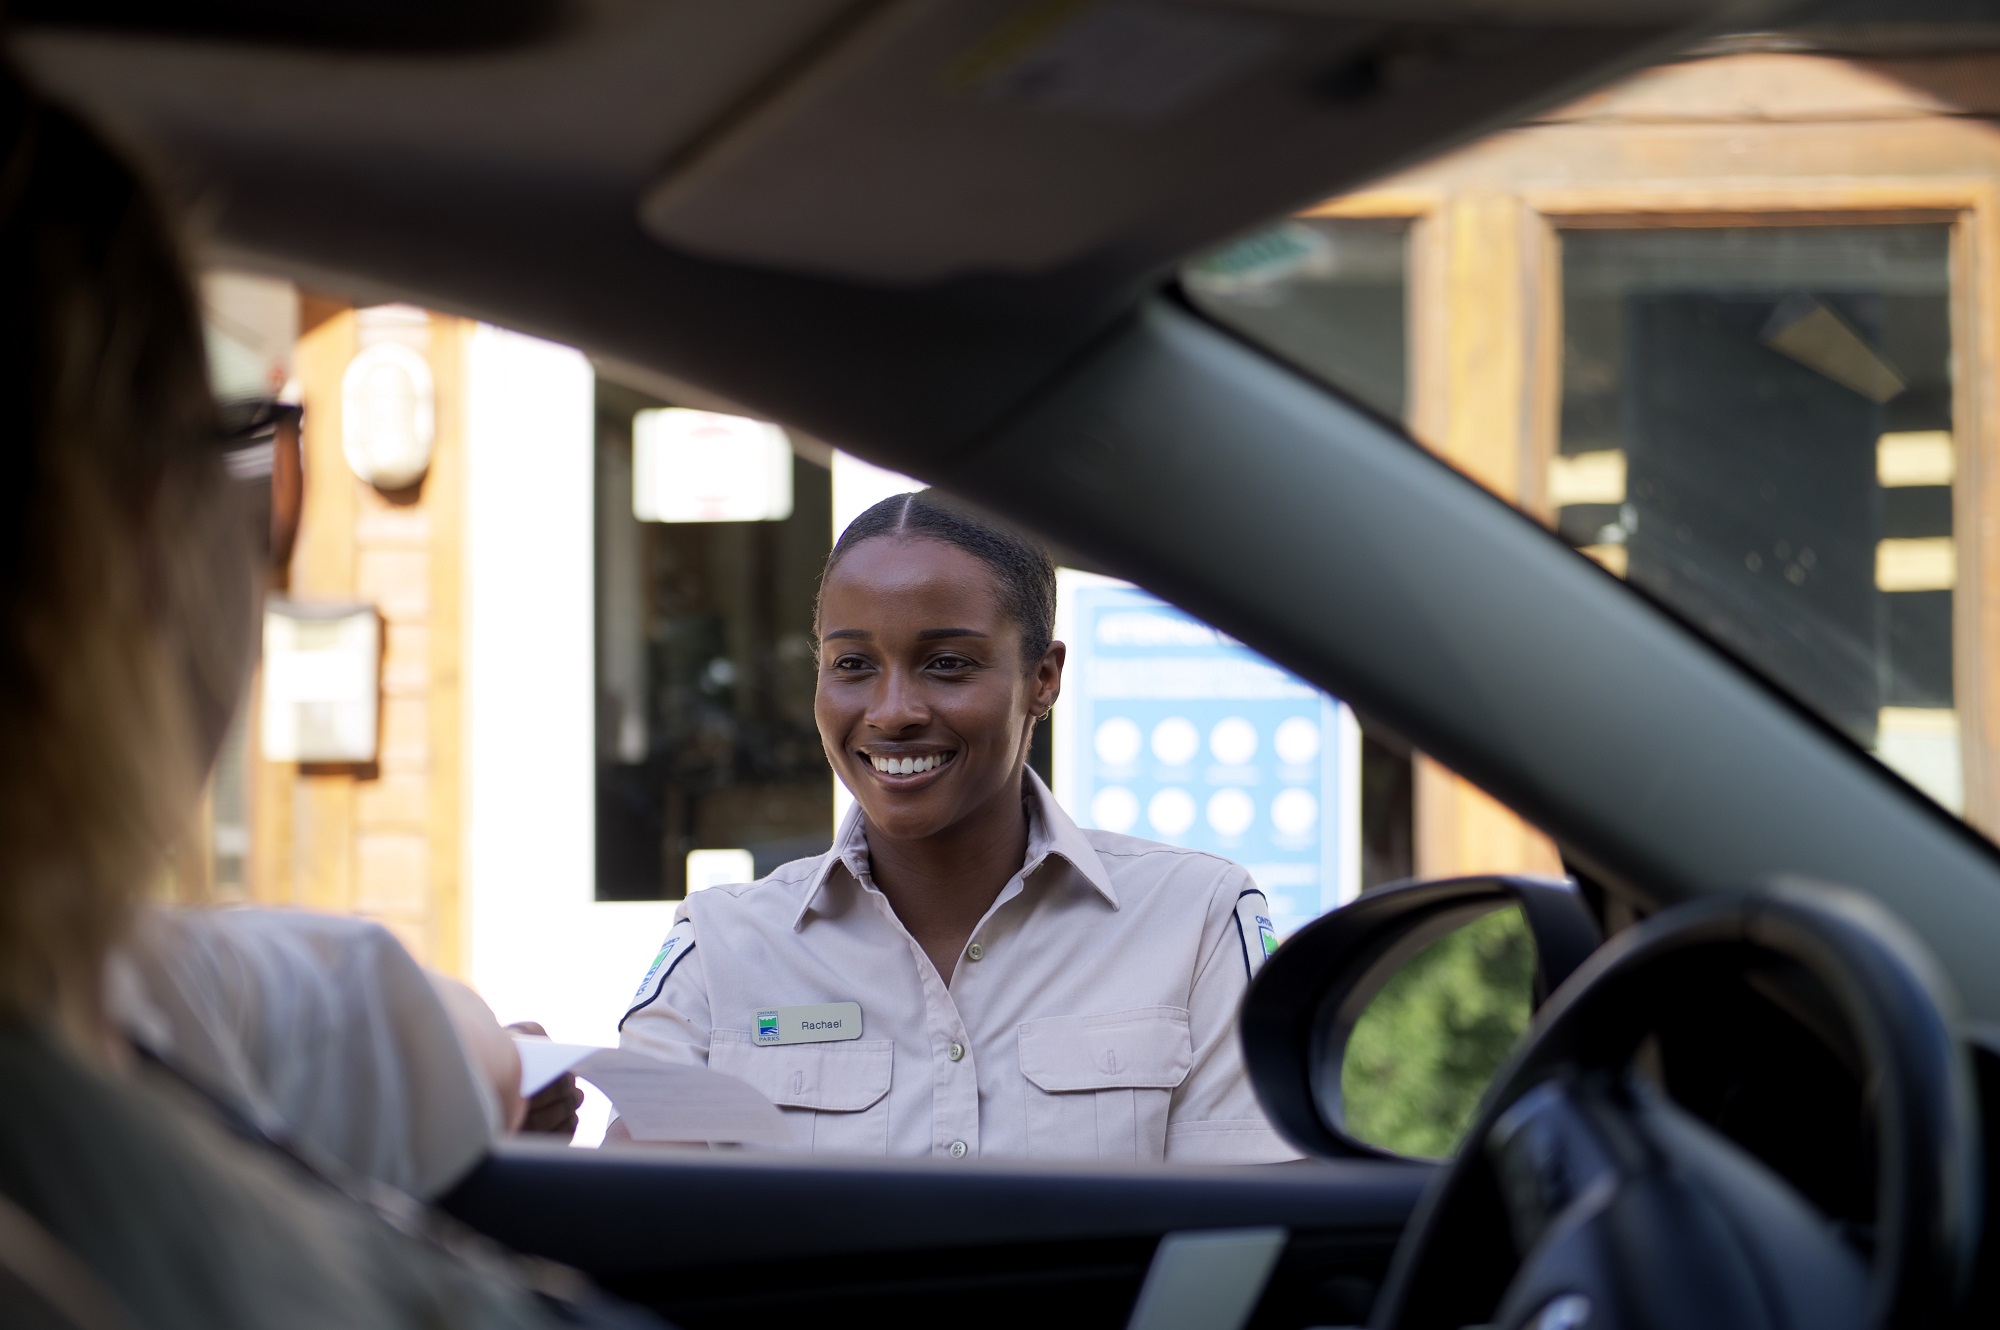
pixel 679 942
pixel 1254 930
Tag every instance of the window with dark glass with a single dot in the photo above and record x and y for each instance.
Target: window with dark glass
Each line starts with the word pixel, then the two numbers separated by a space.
pixel 705 672
pixel 1757 428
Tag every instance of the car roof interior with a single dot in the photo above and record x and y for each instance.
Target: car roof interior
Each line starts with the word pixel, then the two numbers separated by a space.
pixel 885 224
pixel 941 236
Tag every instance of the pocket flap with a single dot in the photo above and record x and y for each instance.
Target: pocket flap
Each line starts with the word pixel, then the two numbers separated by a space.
pixel 1148 1048
pixel 842 1077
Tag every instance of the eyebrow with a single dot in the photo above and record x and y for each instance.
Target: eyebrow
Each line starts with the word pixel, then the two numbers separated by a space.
pixel 927 635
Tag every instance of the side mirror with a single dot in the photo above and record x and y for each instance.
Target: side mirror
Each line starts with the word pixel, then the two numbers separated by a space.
pixel 1374 1029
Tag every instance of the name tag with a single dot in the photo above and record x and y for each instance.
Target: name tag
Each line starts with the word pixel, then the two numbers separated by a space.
pixel 819 1023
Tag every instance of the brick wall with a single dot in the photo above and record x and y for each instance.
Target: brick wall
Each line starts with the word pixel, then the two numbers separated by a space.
pixel 381 839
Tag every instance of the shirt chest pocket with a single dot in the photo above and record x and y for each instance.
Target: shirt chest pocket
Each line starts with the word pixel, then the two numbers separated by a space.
pixel 835 1095
pixel 1099 1087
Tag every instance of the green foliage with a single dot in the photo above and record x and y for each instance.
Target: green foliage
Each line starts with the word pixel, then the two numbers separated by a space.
pixel 1425 1049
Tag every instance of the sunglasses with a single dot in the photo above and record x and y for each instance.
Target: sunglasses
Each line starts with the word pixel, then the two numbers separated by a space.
pixel 247 433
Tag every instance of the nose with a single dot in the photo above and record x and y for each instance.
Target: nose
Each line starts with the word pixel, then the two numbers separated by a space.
pixel 898 705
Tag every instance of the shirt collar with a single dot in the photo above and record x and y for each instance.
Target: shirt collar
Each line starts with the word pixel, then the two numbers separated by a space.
pixel 1051 831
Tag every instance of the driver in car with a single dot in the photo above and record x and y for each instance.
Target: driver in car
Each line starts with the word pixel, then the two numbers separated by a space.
pixel 966 972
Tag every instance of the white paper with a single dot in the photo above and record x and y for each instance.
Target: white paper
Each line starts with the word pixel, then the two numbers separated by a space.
pixel 659 1101
pixel 542 1060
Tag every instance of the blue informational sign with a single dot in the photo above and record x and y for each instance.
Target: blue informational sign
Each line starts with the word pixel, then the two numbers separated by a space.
pixel 1170 730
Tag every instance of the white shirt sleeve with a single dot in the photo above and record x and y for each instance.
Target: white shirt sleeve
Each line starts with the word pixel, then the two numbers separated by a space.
pixel 323 1030
pixel 1215 1117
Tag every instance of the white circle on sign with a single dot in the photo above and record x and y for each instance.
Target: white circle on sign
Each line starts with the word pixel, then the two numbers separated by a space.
pixel 1175 741
pixel 1297 741
pixel 1115 808
pixel 1118 741
pixel 1294 812
pixel 1171 811
pixel 1233 741
pixel 1231 812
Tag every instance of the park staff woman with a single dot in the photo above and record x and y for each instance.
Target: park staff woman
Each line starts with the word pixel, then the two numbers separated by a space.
pixel 966 972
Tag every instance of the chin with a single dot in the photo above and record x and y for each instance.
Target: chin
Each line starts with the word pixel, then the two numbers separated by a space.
pixel 906 823
pixel 907 816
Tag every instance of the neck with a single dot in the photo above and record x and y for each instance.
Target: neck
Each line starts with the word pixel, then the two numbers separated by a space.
pixel 941 886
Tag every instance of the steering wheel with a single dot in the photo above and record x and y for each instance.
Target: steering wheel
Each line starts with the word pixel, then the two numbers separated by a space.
pixel 1583 1199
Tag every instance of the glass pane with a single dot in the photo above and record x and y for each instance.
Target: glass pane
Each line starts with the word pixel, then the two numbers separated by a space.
pixel 708 760
pixel 1329 294
pixel 1757 428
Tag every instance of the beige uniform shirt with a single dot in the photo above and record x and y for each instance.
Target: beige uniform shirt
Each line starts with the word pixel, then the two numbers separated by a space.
pixel 1092 1014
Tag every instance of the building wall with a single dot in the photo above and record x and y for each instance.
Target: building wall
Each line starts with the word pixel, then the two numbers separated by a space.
pixel 382 840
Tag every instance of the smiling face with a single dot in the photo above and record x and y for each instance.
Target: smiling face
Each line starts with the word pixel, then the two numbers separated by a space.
pixel 924 703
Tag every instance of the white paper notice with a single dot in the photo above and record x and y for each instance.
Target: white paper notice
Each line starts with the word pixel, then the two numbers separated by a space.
pixel 659 1101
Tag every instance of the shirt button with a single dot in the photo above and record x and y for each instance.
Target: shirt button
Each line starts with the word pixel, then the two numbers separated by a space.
pixel 958 1149
pixel 955 1052
pixel 974 952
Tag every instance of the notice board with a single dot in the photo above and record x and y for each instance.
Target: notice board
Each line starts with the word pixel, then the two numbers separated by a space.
pixel 1172 731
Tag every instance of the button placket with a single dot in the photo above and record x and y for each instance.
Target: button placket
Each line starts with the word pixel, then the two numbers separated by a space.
pixel 955 1086
pixel 954 1079
pixel 955 1121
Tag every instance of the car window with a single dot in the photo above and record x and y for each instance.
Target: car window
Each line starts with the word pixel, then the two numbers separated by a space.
pixel 582 643
pixel 1723 331
pixel 584 677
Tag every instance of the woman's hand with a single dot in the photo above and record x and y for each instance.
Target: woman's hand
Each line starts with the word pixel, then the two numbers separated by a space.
pixel 552 1109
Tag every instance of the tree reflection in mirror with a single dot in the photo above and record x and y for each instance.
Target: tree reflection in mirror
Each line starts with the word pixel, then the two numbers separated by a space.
pixel 1427 1045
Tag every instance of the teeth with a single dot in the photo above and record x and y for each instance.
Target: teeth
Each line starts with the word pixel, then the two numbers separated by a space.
pixel 907 766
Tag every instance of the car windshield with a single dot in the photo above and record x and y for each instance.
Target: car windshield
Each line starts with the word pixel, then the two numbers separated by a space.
pixel 1748 391
pixel 544 670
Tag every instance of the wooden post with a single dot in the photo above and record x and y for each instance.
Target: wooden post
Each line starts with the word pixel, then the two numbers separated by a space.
pixel 305 819
pixel 444 494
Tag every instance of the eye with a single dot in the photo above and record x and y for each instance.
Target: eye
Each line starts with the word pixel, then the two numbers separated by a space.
pixel 848 664
pixel 949 663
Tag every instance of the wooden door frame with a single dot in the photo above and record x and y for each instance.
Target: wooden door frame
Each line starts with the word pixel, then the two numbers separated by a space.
pixel 1458 827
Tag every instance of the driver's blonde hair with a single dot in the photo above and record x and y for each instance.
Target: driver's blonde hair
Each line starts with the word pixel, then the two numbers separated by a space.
pixel 124 583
